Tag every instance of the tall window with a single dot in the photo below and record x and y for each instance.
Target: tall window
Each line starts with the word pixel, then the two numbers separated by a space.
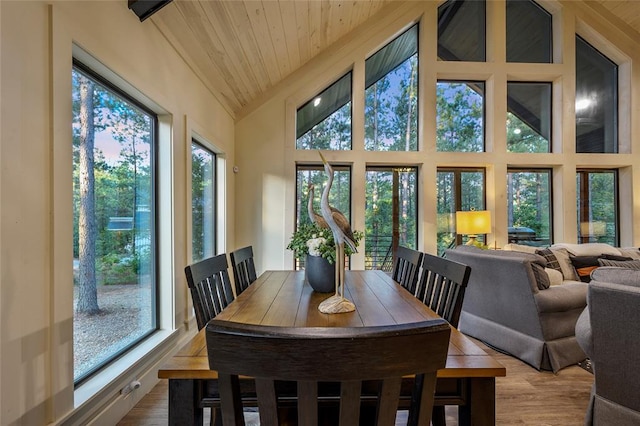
pixel 596 100
pixel 597 206
pixel 310 182
pixel 461 31
pixel 528 117
pixel 114 207
pixel 529 210
pixel 391 213
pixel 391 95
pixel 459 189
pixel 325 121
pixel 203 202
pixel 529 32
pixel 460 116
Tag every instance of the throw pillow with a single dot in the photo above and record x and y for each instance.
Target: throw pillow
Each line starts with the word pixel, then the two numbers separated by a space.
pixel 555 276
pixel 550 257
pixel 629 264
pixel 587 249
pixel 542 279
pixel 584 265
pixel 632 252
pixel 614 257
pixel 520 247
pixel 568 271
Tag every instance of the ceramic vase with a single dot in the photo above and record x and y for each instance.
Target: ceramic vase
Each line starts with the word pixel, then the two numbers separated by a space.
pixel 320 274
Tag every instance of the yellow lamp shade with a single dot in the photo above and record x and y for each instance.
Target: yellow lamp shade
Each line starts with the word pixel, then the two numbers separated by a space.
pixel 473 222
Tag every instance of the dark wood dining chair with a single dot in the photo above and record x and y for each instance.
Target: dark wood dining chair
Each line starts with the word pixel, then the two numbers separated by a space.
pixel 406 266
pixel 441 287
pixel 210 287
pixel 244 269
pixel 269 354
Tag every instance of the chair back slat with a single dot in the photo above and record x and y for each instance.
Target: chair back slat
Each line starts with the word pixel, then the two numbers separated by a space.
pixel 406 267
pixel 244 269
pixel 442 285
pixel 210 287
pixel 350 402
pixel 271 353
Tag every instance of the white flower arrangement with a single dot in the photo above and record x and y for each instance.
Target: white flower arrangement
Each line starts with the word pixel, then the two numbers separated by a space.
pixel 314 244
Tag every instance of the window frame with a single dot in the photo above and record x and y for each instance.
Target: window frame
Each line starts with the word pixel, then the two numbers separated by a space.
pixel 549 172
pixel 581 189
pixel 396 169
pixel 466 82
pixel 214 196
pixel 457 178
pixel 297 264
pixel 156 319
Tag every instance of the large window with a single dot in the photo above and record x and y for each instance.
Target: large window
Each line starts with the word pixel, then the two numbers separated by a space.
pixel 460 189
pixel 114 208
pixel 529 210
pixel 324 122
pixel 495 116
pixel 391 95
pixel 596 100
pixel 597 206
pixel 391 213
pixel 528 117
pixel 203 202
pixel 460 116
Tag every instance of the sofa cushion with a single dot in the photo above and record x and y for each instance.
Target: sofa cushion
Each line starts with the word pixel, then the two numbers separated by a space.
pixel 629 264
pixel 523 248
pixel 588 249
pixel 558 259
pixel 542 278
pixel 568 271
pixel 632 252
pixel 550 258
pixel 584 265
pixel 555 276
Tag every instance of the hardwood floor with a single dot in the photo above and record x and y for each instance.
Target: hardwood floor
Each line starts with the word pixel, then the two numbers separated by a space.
pixel 524 397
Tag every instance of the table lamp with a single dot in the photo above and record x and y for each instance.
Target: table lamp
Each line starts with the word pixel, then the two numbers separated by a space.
pixel 472 223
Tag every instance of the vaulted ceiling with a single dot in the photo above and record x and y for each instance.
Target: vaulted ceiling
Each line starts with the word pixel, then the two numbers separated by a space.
pixel 242 48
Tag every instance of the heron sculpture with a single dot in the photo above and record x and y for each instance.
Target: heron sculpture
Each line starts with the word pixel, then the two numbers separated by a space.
pixel 313 216
pixel 342 234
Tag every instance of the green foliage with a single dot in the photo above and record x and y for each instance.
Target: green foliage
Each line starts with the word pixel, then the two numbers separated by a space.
pixel 522 138
pixel 307 231
pixel 529 201
pixel 459 111
pixel 113 269
pixel 122 183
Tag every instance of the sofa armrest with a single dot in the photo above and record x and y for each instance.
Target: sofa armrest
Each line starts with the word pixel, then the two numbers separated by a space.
pixel 562 298
pixel 583 332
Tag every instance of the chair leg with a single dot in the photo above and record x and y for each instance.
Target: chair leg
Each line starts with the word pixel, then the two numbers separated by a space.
pixel 438 416
pixel 216 417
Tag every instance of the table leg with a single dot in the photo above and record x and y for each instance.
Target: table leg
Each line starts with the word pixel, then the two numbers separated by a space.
pixel 480 409
pixel 184 407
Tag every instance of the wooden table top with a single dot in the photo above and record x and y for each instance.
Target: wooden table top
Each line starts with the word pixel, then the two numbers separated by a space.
pixel 283 298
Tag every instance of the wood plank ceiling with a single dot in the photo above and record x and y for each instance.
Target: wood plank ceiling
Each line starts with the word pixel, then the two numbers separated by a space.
pixel 242 48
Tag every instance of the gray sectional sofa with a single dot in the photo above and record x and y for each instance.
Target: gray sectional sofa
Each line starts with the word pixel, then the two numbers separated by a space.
pixel 526 304
pixel 510 305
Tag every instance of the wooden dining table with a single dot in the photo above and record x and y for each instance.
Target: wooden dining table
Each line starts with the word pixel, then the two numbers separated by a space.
pixel 284 298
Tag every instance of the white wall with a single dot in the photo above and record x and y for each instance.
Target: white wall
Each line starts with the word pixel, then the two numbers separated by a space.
pixel 265 135
pixel 36 312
